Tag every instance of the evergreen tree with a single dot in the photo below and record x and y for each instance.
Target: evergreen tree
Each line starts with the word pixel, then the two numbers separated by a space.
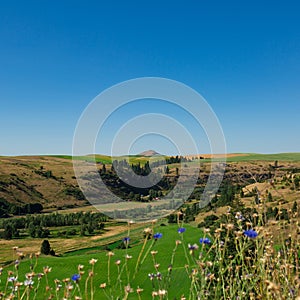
pixel 167 170
pixel 31 228
pixel 45 247
pixel 8 232
pixel 295 207
pixel 270 198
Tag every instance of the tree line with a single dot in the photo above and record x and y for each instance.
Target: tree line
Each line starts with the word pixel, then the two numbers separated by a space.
pixel 38 225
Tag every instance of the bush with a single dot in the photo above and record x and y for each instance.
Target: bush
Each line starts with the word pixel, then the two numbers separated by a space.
pixel 45 247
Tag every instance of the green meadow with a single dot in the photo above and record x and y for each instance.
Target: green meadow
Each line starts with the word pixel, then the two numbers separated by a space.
pixel 65 266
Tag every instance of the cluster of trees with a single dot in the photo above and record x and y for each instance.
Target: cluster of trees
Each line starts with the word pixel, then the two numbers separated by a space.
pixel 119 170
pixel 37 225
pixel 45 173
pixel 7 208
pixel 75 192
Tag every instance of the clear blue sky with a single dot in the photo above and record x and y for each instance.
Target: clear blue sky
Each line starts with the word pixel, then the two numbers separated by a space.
pixel 56 56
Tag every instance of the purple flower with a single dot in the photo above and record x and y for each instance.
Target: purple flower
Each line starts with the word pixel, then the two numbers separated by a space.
pixel 126 239
pixel 205 241
pixel 193 247
pixel 250 233
pixel 75 277
pixel 28 282
pixel 181 230
pixel 157 235
pixel 12 279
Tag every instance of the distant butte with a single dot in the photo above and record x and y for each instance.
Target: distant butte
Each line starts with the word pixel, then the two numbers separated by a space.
pixel 149 153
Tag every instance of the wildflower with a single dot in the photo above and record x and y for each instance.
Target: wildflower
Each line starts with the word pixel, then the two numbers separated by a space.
pixel 178 242
pixel 103 285
pixel 204 241
pixel 118 262
pixel 157 235
pixel 162 292
pixel 148 231
pixel 250 233
pixel 128 256
pixel 12 279
pixel 75 277
pixel 19 284
pixel 128 289
pixel 158 276
pixel 153 252
pixel 139 290
pixel 151 276
pixel 229 226
pixel 28 282
pixel 239 216
pixel 47 270
pixel 126 240
pixel 93 261
pixel 192 248
pixel 238 234
pixel 181 230
pixel 29 275
pixel 209 263
pixel 194 272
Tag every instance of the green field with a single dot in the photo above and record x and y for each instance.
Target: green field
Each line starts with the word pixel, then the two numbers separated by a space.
pixel 65 266
pixel 238 157
pixel 265 157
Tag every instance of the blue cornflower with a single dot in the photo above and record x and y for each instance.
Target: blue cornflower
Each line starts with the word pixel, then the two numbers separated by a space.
pixel 250 233
pixel 181 230
pixel 157 235
pixel 126 239
pixel 75 277
pixel 204 241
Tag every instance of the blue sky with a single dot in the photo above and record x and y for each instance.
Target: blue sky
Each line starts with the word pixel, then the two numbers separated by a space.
pixel 242 57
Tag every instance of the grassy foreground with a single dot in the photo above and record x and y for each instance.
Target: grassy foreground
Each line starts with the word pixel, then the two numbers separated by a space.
pixel 238 260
